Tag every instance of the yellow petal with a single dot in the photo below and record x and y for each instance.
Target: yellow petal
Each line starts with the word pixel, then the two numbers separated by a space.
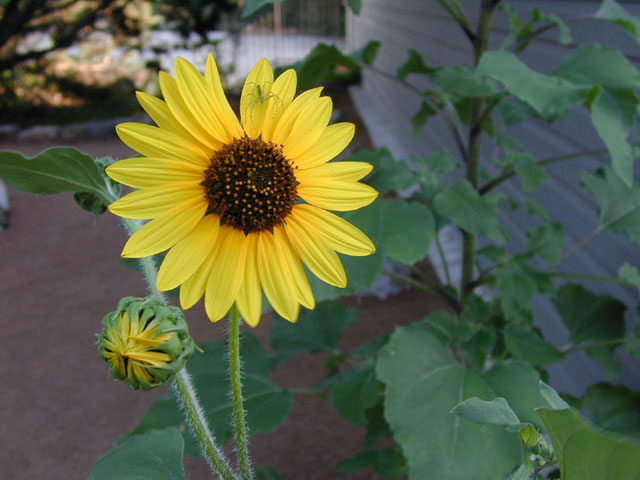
pixel 339 195
pixel 280 97
pixel 337 233
pixel 152 202
pixel 227 273
pixel 188 254
pixel 193 288
pixel 277 287
pixel 348 171
pixel 321 260
pixel 291 114
pixel 198 99
pixel 154 142
pixel 163 232
pixel 161 115
pixel 220 102
pixel 140 172
pixel 179 109
pixel 294 268
pixel 332 142
pixel 253 100
pixel 308 127
pixel 249 299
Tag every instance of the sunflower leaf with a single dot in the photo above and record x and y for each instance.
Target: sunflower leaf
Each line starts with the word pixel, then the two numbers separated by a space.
pixel 55 170
pixel 154 454
pixel 253 6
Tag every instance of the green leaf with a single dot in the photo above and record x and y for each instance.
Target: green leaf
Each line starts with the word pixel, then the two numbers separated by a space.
pixel 266 404
pixel 547 241
pixel 614 103
pixel 528 345
pixel 532 174
pixel 614 408
pixel 318 66
pixel 549 96
pixel 585 452
pixel 252 6
pixel 474 213
pixel 464 82
pixel 589 316
pixel 564 37
pixel 355 6
pixel 610 11
pixel 354 392
pixel 630 275
pixel 317 331
pixel 423 382
pixel 414 64
pixel 420 118
pixel 368 53
pixel 442 161
pixel 387 463
pixel 154 455
pixel 495 412
pixel 618 206
pixel 516 290
pixel 55 170
pixel 388 174
pixel 551 397
pixel 266 473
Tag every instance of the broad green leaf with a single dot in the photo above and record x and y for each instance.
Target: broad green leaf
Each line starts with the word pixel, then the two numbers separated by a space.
pixel 442 161
pixel 420 118
pixel 549 95
pixel 266 473
pixel 423 382
pixel 547 241
pixel 589 316
pixel 266 404
pixel 618 206
pixel 414 64
pixel 464 82
pixel 533 207
pixel 355 6
pixel 516 290
pixel 531 173
pixel 153 455
pixel 585 452
pixel 388 174
pixel 551 397
pixel 513 110
pixel 474 213
pixel 610 11
pixel 614 408
pixel 527 344
pixel 564 37
pixel 320 64
pixel 366 54
pixel 354 392
pixel 55 170
pixel 449 328
pixel 630 275
pixel 387 463
pixel 494 412
pixel 479 346
pixel 614 104
pixel 252 6
pixel 406 230
pixel 317 331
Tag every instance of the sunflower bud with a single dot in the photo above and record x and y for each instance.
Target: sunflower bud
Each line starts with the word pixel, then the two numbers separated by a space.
pixel 145 342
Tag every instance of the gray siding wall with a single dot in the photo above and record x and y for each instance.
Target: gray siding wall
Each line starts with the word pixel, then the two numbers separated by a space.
pixel 387 107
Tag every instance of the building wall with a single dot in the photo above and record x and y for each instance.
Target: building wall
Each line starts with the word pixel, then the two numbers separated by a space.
pixel 386 107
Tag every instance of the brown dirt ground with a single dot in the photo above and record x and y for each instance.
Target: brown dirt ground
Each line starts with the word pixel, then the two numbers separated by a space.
pixel 59 410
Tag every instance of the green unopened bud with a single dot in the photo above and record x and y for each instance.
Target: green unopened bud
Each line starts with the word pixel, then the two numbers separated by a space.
pixel 528 436
pixel 145 342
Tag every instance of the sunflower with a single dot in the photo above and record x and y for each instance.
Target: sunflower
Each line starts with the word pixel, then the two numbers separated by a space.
pixel 241 205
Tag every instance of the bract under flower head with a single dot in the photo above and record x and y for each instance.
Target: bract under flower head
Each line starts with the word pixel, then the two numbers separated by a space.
pixel 145 342
pixel 241 205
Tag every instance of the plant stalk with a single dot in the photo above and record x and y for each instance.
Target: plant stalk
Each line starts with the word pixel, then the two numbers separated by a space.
pixel 235 376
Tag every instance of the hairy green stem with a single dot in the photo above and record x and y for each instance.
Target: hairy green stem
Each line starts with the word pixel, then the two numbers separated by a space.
pixel 510 173
pixel 235 376
pixel 187 395
pixel 199 426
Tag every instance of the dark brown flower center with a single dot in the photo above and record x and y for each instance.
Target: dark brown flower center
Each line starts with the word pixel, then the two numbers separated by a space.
pixel 251 185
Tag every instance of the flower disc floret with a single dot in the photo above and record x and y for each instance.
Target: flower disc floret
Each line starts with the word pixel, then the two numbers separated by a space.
pixel 250 185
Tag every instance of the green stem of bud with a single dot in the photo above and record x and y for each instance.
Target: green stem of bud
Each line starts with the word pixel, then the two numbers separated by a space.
pixel 183 386
pixel 235 374
pixel 199 426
